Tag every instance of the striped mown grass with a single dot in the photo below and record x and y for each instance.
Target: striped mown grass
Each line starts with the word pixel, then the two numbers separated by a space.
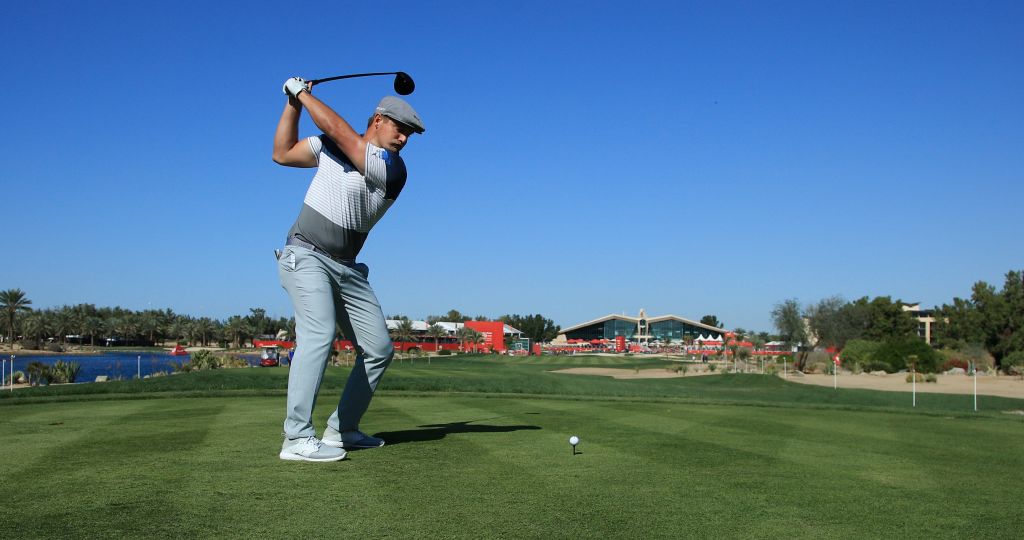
pixel 472 467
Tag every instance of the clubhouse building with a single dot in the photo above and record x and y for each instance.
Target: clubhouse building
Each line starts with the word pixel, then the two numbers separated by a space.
pixel 641 330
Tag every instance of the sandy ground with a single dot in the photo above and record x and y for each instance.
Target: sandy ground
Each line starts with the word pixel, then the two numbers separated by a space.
pixel 618 373
pixel 1004 386
pixel 991 385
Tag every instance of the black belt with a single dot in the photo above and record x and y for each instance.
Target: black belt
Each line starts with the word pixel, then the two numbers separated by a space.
pixel 296 241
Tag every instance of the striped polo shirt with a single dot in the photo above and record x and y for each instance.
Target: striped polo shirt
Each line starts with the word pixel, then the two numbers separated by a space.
pixel 342 205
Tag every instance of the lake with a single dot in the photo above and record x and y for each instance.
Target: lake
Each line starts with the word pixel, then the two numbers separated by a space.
pixel 123 365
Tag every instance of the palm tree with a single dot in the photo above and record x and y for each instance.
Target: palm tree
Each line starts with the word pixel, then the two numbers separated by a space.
pixel 437 332
pixel 400 333
pixel 258 320
pixel 468 335
pixel 13 301
pixel 236 329
pixel 203 328
pixel 91 326
pixel 149 324
pixel 35 326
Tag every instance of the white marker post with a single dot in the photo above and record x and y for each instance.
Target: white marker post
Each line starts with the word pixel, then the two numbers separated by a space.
pixel 974 371
pixel 3 374
pixel 12 372
pixel 835 372
pixel 913 378
pixel 138 367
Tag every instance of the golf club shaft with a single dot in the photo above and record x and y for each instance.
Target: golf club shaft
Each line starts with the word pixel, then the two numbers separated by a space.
pixel 318 81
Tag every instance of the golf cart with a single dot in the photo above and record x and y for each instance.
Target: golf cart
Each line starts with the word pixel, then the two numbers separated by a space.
pixel 269 356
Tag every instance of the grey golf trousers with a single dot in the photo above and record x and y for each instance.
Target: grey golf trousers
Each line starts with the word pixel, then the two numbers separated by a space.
pixel 325 292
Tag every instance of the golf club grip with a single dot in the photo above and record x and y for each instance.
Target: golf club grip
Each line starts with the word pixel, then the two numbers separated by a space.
pixel 326 79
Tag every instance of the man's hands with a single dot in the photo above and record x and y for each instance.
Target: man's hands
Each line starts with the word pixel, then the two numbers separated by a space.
pixel 294 86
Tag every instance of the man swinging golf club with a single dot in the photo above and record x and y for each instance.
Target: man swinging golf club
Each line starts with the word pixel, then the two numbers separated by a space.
pixel 358 178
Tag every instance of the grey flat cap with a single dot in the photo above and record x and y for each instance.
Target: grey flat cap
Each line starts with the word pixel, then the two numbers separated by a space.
pixel 397 109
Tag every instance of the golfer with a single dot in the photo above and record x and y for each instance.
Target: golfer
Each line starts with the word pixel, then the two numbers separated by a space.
pixel 358 178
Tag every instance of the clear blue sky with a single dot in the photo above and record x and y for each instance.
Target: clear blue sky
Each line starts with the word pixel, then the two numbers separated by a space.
pixel 580 158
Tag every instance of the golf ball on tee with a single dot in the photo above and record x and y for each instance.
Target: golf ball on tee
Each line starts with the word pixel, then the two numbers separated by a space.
pixel 574 440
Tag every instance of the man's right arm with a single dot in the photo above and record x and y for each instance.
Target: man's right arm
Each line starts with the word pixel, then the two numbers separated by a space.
pixel 288 149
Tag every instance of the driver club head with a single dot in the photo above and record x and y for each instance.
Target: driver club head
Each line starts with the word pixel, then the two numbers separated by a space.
pixel 404 84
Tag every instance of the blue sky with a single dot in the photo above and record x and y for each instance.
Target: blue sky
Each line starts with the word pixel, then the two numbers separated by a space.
pixel 580 159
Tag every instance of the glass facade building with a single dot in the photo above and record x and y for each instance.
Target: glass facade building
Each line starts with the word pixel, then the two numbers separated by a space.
pixel 660 328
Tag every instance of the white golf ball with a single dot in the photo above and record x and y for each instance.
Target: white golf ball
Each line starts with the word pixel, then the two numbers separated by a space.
pixel 574 440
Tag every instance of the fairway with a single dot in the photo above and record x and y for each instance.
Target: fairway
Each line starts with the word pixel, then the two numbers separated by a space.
pixel 474 465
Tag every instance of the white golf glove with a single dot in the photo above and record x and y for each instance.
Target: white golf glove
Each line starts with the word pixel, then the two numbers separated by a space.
pixel 294 86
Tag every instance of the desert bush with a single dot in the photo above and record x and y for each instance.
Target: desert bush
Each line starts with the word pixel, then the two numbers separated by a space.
pixel 963 355
pixel 896 353
pixel 181 367
pixel 931 377
pixel 65 372
pixel 915 376
pixel 858 352
pixel 771 369
pixel 1013 363
pixel 684 368
pixel 29 344
pixel 204 359
pixel 38 373
pixel 954 362
pixel 233 361
pixel 879 366
pixel 712 367
pixel 973 352
pixel 54 347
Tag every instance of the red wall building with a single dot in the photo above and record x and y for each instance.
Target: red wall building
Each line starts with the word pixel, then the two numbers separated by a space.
pixel 493 331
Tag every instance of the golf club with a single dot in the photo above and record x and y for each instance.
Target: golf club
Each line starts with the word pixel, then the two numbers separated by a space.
pixel 403 82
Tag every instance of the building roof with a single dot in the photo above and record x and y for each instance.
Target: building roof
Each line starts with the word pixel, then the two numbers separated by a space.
pixel 450 327
pixel 634 320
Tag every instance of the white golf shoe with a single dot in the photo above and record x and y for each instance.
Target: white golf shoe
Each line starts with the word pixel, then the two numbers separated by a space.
pixel 309 449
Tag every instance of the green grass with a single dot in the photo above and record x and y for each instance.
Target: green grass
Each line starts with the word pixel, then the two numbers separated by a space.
pixel 477 448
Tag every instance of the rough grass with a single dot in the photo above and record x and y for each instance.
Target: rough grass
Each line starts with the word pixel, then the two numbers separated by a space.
pixel 660 458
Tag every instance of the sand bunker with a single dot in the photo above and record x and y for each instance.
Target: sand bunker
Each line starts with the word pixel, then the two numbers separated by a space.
pixel 1003 386
pixel 619 373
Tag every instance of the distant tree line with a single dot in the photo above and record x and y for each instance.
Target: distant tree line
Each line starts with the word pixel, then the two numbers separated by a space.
pixel 879 333
pixel 538 328
pixel 87 324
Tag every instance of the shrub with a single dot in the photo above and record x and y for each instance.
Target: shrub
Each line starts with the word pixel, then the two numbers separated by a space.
pixel 65 372
pixel 956 363
pixel 911 377
pixel 38 373
pixel 54 347
pixel 444 352
pixel 931 377
pixel 30 344
pixel 712 367
pixel 879 366
pixel 858 352
pixel 896 353
pixel 1013 363
pixel 817 367
pixel 204 359
pixel 234 361
pixel 978 354
pixel 684 368
pixel 181 367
